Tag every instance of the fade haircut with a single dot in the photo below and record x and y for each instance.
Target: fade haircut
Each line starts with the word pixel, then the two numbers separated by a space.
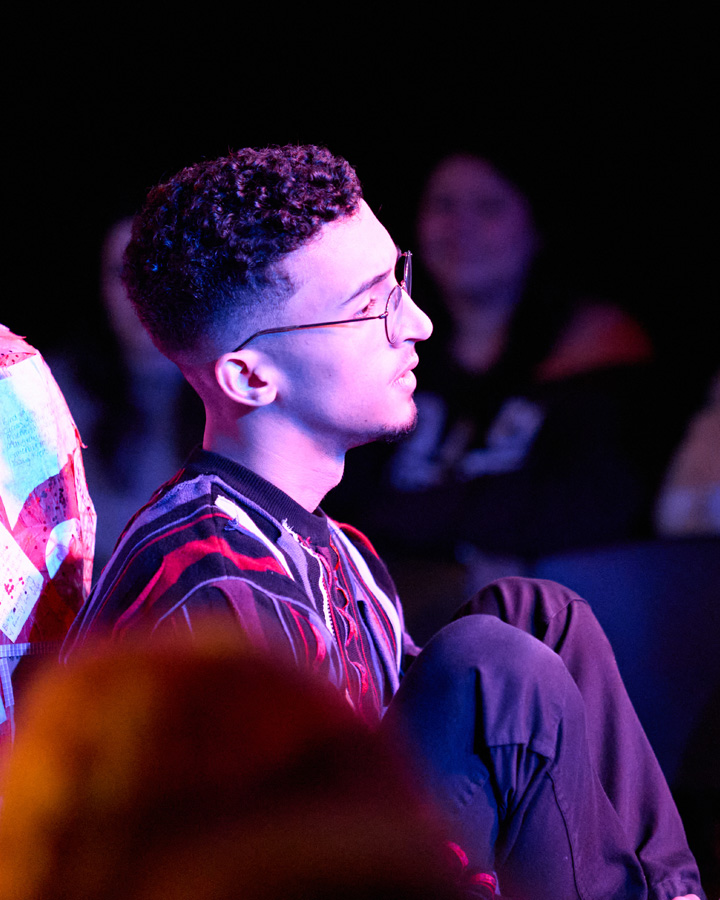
pixel 205 247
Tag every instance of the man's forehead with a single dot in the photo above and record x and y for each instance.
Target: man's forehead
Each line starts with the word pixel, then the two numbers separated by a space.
pixel 360 232
pixel 347 251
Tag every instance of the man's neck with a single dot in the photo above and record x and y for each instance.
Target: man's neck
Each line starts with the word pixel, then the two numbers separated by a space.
pixel 292 465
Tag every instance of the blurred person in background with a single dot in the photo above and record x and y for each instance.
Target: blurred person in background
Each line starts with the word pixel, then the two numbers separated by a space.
pixel 47 523
pixel 689 500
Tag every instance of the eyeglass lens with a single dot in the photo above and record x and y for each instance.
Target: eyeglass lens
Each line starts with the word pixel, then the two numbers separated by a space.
pixel 403 276
pixel 403 271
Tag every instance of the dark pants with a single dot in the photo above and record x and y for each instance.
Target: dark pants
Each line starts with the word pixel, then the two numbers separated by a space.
pixel 525 736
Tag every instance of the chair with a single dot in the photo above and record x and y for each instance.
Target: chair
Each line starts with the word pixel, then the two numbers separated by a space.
pixel 659 603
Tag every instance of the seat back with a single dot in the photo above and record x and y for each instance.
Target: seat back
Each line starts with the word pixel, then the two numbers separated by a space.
pixel 659 603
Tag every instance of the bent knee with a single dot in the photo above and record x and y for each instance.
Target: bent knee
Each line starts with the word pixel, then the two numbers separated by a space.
pixel 523 688
pixel 486 640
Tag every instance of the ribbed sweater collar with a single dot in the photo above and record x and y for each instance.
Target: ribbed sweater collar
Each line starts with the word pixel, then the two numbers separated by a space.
pixel 269 498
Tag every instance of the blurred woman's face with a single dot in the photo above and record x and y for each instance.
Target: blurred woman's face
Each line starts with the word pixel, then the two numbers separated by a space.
pixel 123 319
pixel 134 340
pixel 475 229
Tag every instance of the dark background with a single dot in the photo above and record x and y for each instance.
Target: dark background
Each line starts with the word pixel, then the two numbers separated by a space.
pixel 603 115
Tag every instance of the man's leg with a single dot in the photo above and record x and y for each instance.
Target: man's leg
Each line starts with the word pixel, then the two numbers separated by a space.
pixel 496 726
pixel 621 754
pixel 499 730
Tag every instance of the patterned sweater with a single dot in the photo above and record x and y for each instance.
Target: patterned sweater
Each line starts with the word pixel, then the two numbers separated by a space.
pixel 218 539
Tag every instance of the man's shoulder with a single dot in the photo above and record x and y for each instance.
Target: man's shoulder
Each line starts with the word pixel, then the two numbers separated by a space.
pixel 194 517
pixel 183 510
pixel 195 533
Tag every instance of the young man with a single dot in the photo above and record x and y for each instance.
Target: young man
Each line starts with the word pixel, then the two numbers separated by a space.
pixel 285 303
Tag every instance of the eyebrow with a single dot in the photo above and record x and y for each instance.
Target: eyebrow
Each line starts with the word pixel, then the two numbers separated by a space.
pixel 371 282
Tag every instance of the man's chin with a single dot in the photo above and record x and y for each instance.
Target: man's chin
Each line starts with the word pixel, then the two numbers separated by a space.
pixel 397 434
pixel 391 433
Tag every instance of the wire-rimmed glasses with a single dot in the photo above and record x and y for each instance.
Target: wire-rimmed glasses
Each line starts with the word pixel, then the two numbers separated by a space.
pixel 392 314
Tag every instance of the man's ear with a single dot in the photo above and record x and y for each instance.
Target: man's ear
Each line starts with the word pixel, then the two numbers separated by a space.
pixel 246 377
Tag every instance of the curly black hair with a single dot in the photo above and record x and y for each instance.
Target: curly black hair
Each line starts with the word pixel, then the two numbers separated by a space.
pixel 204 246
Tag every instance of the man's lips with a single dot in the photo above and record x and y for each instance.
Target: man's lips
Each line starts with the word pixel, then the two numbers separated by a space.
pixel 414 360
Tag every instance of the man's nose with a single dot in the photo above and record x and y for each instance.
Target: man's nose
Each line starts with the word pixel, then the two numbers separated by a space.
pixel 416 325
